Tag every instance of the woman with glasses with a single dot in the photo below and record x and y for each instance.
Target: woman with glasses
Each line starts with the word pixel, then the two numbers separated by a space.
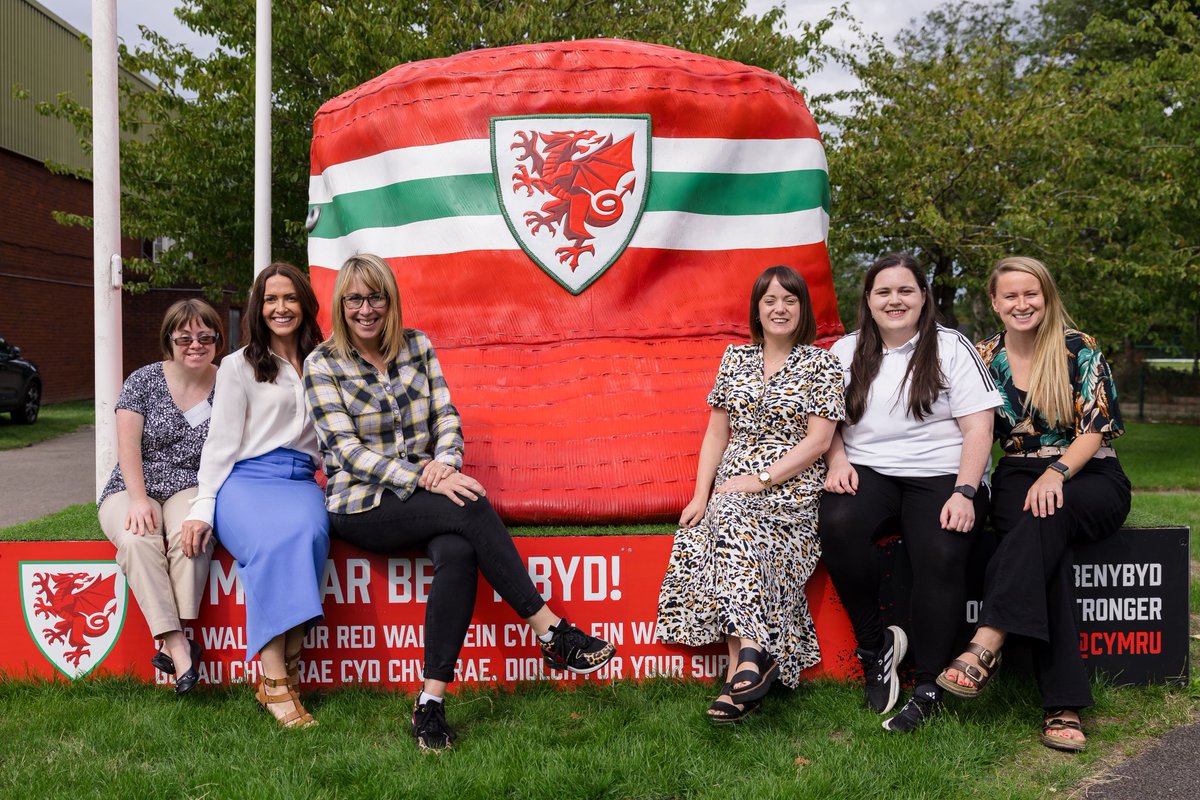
pixel 393 447
pixel 162 421
pixel 257 486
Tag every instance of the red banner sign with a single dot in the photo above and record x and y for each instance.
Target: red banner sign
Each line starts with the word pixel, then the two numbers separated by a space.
pixel 76 617
pixel 69 612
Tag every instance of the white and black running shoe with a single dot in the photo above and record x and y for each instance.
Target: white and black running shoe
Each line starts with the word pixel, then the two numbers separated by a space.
pixel 882 687
pixel 916 712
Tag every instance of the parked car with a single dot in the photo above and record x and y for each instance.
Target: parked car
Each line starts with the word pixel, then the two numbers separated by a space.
pixel 20 385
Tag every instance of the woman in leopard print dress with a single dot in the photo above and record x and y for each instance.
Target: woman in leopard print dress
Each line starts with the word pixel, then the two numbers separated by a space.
pixel 744 551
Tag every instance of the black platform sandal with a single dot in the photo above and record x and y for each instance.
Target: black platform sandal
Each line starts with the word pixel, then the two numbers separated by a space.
pixel 722 713
pixel 758 683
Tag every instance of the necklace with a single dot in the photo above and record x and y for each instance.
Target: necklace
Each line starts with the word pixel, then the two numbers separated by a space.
pixel 773 365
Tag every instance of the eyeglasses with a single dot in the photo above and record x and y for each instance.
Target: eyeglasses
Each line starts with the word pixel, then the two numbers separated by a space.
pixel 204 338
pixel 374 300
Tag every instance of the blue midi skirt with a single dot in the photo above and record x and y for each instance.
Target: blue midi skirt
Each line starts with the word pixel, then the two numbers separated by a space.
pixel 271 517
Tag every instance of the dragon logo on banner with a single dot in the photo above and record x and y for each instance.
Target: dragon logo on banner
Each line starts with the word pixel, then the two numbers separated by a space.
pixel 74 611
pixel 572 189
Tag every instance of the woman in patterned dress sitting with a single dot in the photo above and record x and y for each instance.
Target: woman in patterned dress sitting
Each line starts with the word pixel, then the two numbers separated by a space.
pixel 745 549
pixel 162 421
pixel 1058 483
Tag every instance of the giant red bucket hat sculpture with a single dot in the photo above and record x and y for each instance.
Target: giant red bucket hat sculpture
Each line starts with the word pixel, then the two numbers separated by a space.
pixel 577 227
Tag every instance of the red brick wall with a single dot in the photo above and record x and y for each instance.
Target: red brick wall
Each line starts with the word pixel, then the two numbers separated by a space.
pixel 46 302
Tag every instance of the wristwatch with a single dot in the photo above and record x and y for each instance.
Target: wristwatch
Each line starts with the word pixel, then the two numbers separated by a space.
pixel 764 478
pixel 966 490
pixel 1061 469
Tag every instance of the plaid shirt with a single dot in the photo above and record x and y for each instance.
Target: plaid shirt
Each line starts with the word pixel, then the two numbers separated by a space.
pixel 377 430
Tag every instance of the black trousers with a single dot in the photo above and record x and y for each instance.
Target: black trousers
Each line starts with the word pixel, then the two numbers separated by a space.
pixel 851 526
pixel 457 539
pixel 1030 585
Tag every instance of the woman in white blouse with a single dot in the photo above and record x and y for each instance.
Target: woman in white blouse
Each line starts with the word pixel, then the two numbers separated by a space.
pixel 257 487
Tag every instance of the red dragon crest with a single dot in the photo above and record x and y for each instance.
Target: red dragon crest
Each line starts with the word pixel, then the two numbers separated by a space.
pixel 584 174
pixel 82 604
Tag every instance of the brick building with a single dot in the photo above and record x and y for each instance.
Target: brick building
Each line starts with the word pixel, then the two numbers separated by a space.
pixel 46 297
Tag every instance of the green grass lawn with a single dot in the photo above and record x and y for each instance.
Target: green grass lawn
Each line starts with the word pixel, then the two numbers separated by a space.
pixel 120 738
pixel 1159 456
pixel 54 420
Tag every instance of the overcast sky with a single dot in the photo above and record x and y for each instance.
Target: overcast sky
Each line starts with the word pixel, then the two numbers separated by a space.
pixel 885 17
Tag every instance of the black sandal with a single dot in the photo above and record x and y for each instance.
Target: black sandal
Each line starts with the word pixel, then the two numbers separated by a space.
pixel 1055 722
pixel 722 713
pixel 759 683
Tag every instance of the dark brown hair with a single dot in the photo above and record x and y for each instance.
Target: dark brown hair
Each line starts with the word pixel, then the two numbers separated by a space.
pixel 185 312
pixel 792 283
pixel 924 374
pixel 258 352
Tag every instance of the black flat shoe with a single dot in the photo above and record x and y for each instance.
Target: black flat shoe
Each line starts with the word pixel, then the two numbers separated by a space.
pixel 163 662
pixel 187 681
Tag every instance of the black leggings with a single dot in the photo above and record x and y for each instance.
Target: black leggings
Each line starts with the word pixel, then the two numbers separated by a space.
pixel 456 538
pixel 850 527
pixel 1030 584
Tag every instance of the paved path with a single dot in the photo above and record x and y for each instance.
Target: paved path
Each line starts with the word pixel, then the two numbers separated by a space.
pixel 1170 768
pixel 47 477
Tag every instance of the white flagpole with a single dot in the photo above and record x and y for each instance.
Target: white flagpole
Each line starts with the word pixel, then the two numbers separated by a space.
pixel 262 137
pixel 106 233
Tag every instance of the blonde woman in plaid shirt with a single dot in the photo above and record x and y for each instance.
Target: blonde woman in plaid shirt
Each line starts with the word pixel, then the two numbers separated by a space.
pixel 393 447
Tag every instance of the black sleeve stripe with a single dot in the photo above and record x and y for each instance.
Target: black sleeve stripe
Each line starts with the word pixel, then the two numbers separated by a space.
pixel 984 374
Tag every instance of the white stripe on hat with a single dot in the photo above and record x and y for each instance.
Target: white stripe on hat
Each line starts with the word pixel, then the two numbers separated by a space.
pixel 664 230
pixel 473 157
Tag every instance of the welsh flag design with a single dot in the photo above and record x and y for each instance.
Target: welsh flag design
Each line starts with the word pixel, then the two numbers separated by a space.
pixel 579 332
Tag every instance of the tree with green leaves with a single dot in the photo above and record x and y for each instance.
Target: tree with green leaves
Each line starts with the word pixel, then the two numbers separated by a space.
pixel 935 145
pixel 973 138
pixel 188 173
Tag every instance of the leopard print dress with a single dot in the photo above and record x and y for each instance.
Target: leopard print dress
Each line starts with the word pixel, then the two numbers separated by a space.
pixel 742 570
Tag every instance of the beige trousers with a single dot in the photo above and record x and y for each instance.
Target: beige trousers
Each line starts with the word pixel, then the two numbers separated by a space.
pixel 166 583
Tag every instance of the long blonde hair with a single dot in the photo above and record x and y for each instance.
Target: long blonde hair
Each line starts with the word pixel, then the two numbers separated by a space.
pixel 1049 379
pixel 377 276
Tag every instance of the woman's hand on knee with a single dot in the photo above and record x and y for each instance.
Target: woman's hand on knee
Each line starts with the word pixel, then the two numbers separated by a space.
pixel 142 519
pixel 459 487
pixel 1045 495
pixel 195 536
pixel 433 473
pixel 693 512
pixel 842 479
pixel 958 514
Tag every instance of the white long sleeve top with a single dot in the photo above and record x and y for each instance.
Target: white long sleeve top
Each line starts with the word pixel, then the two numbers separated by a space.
pixel 249 419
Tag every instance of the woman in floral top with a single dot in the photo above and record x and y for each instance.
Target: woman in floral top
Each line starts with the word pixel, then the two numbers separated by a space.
pixel 162 421
pixel 1058 483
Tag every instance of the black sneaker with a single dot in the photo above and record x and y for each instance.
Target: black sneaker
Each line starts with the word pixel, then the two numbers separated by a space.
pixel 430 728
pixel 916 712
pixel 572 649
pixel 882 687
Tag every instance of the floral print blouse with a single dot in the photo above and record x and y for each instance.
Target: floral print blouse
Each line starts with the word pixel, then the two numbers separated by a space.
pixel 1022 429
